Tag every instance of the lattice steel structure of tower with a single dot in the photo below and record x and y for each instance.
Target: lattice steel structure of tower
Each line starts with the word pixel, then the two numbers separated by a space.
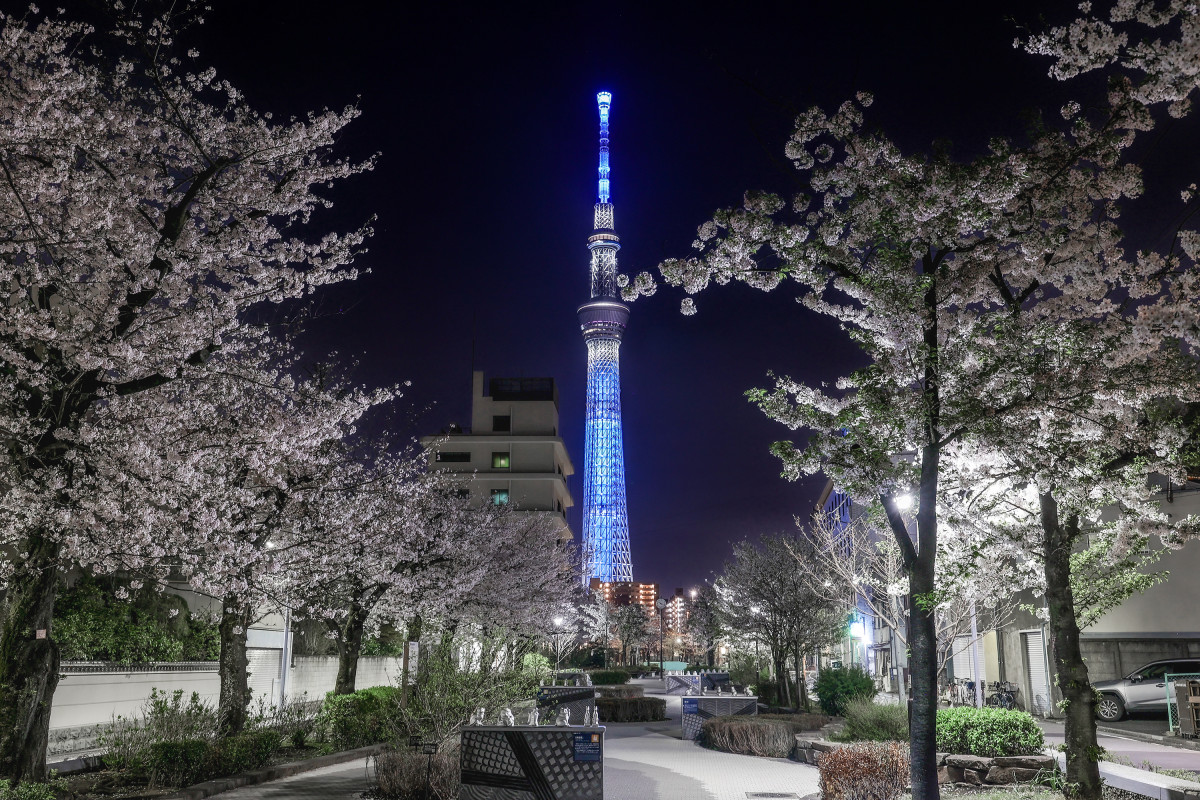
pixel 603 320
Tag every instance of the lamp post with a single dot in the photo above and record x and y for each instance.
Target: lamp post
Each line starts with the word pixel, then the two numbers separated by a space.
pixel 661 605
pixel 755 610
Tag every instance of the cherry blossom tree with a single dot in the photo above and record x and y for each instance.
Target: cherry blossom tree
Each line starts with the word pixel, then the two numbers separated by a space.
pixel 938 269
pixel 146 206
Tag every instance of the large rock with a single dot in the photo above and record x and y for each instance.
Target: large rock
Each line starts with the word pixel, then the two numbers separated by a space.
pixel 941 759
pixel 1000 774
pixel 974 776
pixel 1025 762
pixel 970 762
pixel 824 745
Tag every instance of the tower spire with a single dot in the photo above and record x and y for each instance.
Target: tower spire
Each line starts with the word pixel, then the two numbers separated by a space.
pixel 603 320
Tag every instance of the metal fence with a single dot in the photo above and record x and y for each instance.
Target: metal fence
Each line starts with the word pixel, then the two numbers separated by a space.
pixel 1172 710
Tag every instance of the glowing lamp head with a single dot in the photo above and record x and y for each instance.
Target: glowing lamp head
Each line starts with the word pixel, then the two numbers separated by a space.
pixel 604 98
pixel 558 622
pixel 904 502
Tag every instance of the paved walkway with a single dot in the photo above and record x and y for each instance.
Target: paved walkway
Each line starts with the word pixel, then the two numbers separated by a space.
pixel 641 762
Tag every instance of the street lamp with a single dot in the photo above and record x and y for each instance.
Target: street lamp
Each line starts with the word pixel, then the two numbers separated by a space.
pixel 661 605
pixel 725 655
pixel 755 610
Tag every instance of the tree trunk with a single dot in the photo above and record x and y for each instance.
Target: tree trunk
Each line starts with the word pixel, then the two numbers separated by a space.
pixel 1079 699
pixel 232 667
pixel 801 683
pixel 349 642
pixel 922 640
pixel 28 664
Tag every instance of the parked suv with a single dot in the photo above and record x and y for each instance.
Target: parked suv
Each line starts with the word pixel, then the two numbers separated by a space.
pixel 1143 689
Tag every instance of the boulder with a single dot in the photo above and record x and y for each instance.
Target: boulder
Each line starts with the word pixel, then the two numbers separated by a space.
pixel 974 777
pixel 1025 762
pixel 969 762
pixel 949 774
pixel 1000 774
pixel 941 759
pixel 802 743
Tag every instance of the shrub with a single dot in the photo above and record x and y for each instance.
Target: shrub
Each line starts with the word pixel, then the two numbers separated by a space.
pixel 243 752
pixel 865 771
pixel 631 709
pixel 293 718
pixel 837 685
pixel 33 791
pixel 868 721
pixel 749 736
pixel 609 677
pixel 401 774
pixel 987 732
pixel 800 722
pixel 177 763
pixel 360 718
pixel 164 718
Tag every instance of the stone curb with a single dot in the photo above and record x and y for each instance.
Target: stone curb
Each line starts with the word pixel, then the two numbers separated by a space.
pixel 266 774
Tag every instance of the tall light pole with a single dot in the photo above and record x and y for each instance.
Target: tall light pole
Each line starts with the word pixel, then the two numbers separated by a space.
pixel 661 605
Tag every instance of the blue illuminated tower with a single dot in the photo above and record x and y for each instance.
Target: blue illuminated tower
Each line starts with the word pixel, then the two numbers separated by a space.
pixel 603 320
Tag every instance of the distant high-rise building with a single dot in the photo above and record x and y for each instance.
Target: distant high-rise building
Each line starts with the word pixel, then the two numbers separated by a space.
pixel 626 593
pixel 513 451
pixel 603 319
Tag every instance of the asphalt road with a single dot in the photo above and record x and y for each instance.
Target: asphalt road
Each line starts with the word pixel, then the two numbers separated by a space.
pixel 1154 723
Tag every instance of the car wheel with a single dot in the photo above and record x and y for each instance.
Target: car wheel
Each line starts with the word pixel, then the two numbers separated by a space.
pixel 1110 708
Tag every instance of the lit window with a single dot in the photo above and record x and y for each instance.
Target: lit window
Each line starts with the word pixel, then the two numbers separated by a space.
pixel 500 497
pixel 502 423
pixel 499 460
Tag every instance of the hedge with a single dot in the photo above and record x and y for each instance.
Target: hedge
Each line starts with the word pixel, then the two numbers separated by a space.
pixel 357 719
pixel 836 686
pixel 868 721
pixel 631 709
pixel 609 677
pixel 988 732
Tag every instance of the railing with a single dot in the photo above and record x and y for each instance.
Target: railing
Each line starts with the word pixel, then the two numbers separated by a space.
pixel 1172 710
pixel 91 667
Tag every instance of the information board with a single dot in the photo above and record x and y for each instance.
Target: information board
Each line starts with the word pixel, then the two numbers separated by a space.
pixel 587 746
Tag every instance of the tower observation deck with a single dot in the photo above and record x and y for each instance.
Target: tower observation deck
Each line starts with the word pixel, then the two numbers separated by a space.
pixel 602 320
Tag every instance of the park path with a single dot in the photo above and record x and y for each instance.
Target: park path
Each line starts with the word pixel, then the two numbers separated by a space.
pixel 642 761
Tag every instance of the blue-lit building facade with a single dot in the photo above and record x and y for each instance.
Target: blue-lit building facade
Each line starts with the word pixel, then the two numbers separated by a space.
pixel 602 320
pixel 869 641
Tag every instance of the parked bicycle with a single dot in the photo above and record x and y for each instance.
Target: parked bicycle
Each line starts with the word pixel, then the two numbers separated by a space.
pixel 1004 695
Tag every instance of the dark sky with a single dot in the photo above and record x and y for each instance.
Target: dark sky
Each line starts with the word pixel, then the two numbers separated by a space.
pixel 486 120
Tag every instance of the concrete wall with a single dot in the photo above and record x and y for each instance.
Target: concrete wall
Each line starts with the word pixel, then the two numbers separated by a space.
pixel 90 699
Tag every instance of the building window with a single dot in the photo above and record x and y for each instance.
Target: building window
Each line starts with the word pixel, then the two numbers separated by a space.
pixel 499 460
pixel 462 457
pixel 500 497
pixel 501 423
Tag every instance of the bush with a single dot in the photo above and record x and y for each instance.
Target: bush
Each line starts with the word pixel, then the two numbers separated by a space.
pixel 243 752
pixel 177 763
pixel 631 709
pixel 800 722
pixel 609 677
pixel 837 685
pixel 360 718
pixel 865 771
pixel 33 791
pixel 987 732
pixel 749 736
pixel 401 774
pixel 867 721
pixel 127 741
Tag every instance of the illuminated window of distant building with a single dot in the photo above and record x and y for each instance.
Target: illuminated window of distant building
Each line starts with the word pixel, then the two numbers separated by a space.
pixel 500 497
pixel 499 460
pixel 465 457
pixel 501 423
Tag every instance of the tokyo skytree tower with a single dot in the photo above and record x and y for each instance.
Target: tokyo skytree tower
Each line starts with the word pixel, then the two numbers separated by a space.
pixel 603 320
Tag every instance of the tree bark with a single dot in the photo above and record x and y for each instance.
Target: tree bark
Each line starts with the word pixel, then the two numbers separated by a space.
pixel 349 643
pixel 233 668
pixel 1079 699
pixel 28 665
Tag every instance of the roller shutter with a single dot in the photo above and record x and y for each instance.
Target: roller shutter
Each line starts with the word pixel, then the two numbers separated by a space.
pixel 264 673
pixel 1039 685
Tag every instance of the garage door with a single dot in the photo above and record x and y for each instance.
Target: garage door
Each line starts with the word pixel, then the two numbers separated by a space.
pixel 1035 662
pixel 964 660
pixel 264 673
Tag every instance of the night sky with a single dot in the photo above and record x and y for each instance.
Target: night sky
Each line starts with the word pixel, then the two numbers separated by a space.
pixel 485 117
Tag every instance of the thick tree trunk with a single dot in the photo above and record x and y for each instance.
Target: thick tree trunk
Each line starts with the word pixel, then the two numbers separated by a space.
pixel 1083 769
pixel 28 664
pixel 349 643
pixel 922 638
pixel 801 683
pixel 233 668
